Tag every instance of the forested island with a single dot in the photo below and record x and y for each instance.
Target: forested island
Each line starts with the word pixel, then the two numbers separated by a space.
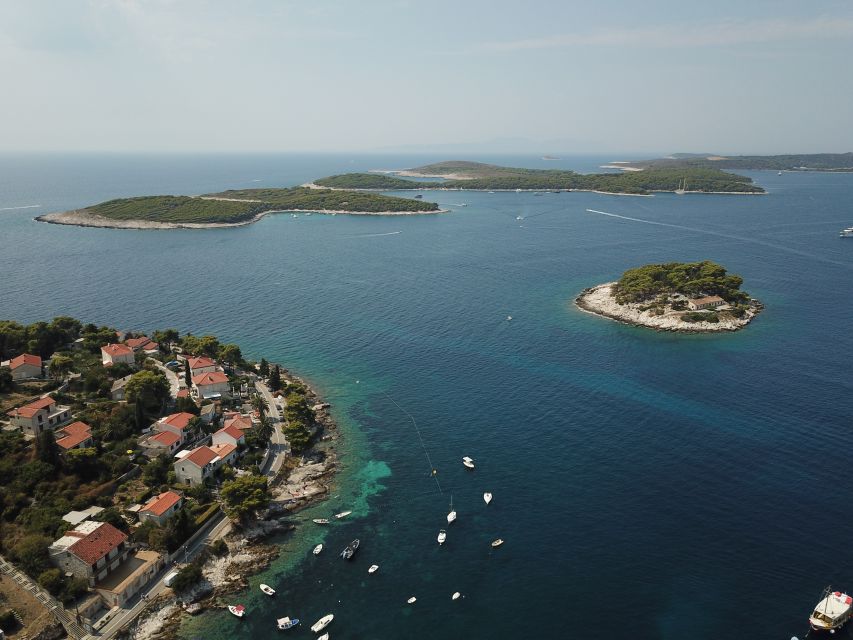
pixel 838 162
pixel 691 297
pixel 234 207
pixel 464 175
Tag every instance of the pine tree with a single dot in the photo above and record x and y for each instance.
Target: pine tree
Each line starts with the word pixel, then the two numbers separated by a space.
pixel 188 376
pixel 275 379
pixel 264 368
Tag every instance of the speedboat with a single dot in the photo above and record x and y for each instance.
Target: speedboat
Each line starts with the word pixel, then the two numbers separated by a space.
pixel 325 636
pixel 412 600
pixel 320 521
pixel 373 568
pixel 442 536
pixel 238 610
pixel 831 612
pixel 318 549
pixel 456 595
pixel 497 543
pixel 322 623
pixel 267 589
pixel 779 174
pixel 509 318
pixel 519 217
pixel 452 515
pixel 487 497
pixel 846 233
pixel 342 514
pixel 287 623
pixel 349 552
pixel 468 462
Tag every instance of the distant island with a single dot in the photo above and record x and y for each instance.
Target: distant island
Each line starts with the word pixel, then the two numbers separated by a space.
pixel 476 176
pixel 687 297
pixel 833 162
pixel 233 208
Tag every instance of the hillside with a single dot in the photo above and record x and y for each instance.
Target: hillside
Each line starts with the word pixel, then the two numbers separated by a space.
pixel 842 162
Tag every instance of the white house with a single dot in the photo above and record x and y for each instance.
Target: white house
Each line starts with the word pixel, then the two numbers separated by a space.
pixel 117 390
pixel 201 365
pixel 25 366
pixel 115 353
pixel 229 435
pixel 156 444
pixel 211 385
pixel 177 423
pixel 197 465
pixel 161 508
pixel 708 302
pixel 35 417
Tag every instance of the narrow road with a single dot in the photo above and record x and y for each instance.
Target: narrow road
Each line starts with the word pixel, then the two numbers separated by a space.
pixel 278 442
pixel 172 377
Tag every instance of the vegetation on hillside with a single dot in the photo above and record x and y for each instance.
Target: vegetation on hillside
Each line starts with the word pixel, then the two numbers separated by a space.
pixel 177 209
pixel 306 199
pixel 692 279
pixel 789 162
pixel 377 181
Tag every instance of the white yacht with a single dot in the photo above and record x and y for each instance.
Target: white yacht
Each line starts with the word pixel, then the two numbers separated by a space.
pixel 846 233
pixel 831 612
pixel 487 497
pixel 452 515
pixel 318 549
pixel 468 462
pixel 342 514
pixel 442 536
pixel 373 568
pixel 322 623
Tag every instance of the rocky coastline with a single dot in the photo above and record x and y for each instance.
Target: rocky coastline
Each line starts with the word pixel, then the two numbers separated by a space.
pixel 599 301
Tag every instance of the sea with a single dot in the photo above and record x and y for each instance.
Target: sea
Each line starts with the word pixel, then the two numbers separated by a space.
pixel 647 485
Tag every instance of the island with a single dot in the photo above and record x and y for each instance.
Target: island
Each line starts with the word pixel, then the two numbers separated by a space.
pixel 144 467
pixel 234 208
pixel 686 297
pixel 830 162
pixel 476 176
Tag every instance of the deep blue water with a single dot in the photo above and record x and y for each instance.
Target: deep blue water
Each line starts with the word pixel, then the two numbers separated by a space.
pixel 647 485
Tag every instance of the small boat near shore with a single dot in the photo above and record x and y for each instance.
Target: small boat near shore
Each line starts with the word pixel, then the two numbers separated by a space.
pixel 322 623
pixel 317 549
pixel 237 610
pixel 442 536
pixel 342 514
pixel 320 521
pixel 373 568
pixel 286 623
pixel 267 589
pixel 350 550
pixel 497 543
pixel 832 612
pixel 325 636
pixel 487 497
pixel 468 462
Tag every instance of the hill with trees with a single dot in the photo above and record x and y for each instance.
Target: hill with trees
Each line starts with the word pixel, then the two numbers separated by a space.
pixel 841 162
pixel 691 279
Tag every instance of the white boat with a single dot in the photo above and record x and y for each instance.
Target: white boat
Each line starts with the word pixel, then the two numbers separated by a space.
pixel 238 610
pixel 497 543
pixel 442 536
pixel 412 600
pixel 322 623
pixel 468 462
pixel 518 190
pixel 682 188
pixel 452 515
pixel 325 636
pixel 287 623
pixel 320 521
pixel 456 595
pixel 779 174
pixel 317 549
pixel 373 568
pixel 487 497
pixel 509 318
pixel 267 589
pixel 834 609
pixel 342 514
pixel 519 217
pixel 847 233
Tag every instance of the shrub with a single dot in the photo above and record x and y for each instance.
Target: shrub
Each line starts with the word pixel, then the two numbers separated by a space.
pixel 696 316
pixel 51 579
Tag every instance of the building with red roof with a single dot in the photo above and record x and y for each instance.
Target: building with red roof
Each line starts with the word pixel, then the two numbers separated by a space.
pixel 90 551
pixel 200 364
pixel 211 385
pixel 194 467
pixel 142 343
pixel 160 508
pixel 115 353
pixel 230 434
pixel 177 423
pixel 77 435
pixel 26 366
pixel 35 417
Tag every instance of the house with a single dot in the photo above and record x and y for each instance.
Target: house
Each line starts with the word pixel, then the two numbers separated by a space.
pixel 161 508
pixel 211 385
pixel 244 423
pixel 201 365
pixel 129 578
pixel 25 366
pixel 227 453
pixel 177 423
pixel 77 435
pixel 117 353
pixel 35 417
pixel 117 390
pixel 231 434
pixel 142 343
pixel 194 467
pixel 207 413
pixel 159 443
pixel 91 551
pixel 708 302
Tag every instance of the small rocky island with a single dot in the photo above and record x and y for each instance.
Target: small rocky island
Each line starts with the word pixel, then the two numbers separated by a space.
pixel 686 297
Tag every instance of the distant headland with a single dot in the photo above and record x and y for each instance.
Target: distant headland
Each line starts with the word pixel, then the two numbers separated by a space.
pixel 464 175
pixel 685 297
pixel 832 162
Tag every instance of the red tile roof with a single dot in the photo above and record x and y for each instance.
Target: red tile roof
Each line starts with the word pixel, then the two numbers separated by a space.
pixel 31 409
pixel 223 450
pixel 201 456
pixel 210 378
pixel 232 430
pixel 142 342
pixel 76 427
pixel 94 546
pixel 166 438
pixel 183 393
pixel 116 350
pixel 75 433
pixel 24 358
pixel 241 422
pixel 201 362
pixel 162 503
pixel 178 420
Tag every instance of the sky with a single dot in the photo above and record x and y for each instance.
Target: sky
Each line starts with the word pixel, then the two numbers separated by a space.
pixel 752 76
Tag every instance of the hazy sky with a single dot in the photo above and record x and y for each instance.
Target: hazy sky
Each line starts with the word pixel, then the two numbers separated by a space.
pixel 286 75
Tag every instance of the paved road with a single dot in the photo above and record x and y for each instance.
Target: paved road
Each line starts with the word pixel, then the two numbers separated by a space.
pixel 278 442
pixel 172 377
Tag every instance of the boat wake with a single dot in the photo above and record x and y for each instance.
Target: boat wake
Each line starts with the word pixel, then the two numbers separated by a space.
pixel 376 235
pixel 26 206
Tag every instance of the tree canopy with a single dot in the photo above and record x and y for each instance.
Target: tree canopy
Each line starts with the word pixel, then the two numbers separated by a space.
pixel 692 279
pixel 245 496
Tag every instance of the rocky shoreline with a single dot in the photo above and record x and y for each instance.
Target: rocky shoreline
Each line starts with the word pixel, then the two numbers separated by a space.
pixel 599 301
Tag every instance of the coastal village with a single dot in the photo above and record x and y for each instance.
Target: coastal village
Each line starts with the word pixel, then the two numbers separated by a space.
pixel 137 468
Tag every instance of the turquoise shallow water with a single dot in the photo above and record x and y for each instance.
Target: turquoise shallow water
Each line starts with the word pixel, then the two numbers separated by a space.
pixel 648 485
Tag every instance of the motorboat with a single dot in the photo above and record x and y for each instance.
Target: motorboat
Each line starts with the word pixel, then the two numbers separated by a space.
pixel 834 609
pixel 320 521
pixel 349 552
pixel 287 623
pixel 451 516
pixel 468 462
pixel 317 549
pixel 519 217
pixel 373 568
pixel 325 636
pixel 487 497
pixel 846 233
pixel 442 536
pixel 509 318
pixel 497 543
pixel 342 514
pixel 456 595
pixel 267 589
pixel 322 623
pixel 412 600
pixel 779 174
pixel 238 610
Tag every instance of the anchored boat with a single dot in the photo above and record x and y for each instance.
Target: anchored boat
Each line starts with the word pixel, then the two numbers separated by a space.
pixel 267 589
pixel 487 497
pixel 320 521
pixel 342 514
pixel 322 623
pixel 452 515
pixel 287 623
pixel 468 462
pixel 349 552
pixel 318 549
pixel 237 610
pixel 834 609
pixel 442 536
pixel 373 568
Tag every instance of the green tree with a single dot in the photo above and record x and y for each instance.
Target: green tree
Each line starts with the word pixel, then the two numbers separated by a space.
pixel 156 472
pixel 46 448
pixel 275 379
pixel 6 382
pixel 187 577
pixel 165 338
pixel 83 463
pixel 112 516
pixel 264 368
pixel 149 387
pixel 186 405
pixel 51 579
pixel 230 353
pixel 60 366
pixel 188 374
pixel 31 554
pixel 245 496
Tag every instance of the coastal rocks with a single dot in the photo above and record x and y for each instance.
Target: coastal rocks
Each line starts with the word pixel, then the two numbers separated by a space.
pixel 600 301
